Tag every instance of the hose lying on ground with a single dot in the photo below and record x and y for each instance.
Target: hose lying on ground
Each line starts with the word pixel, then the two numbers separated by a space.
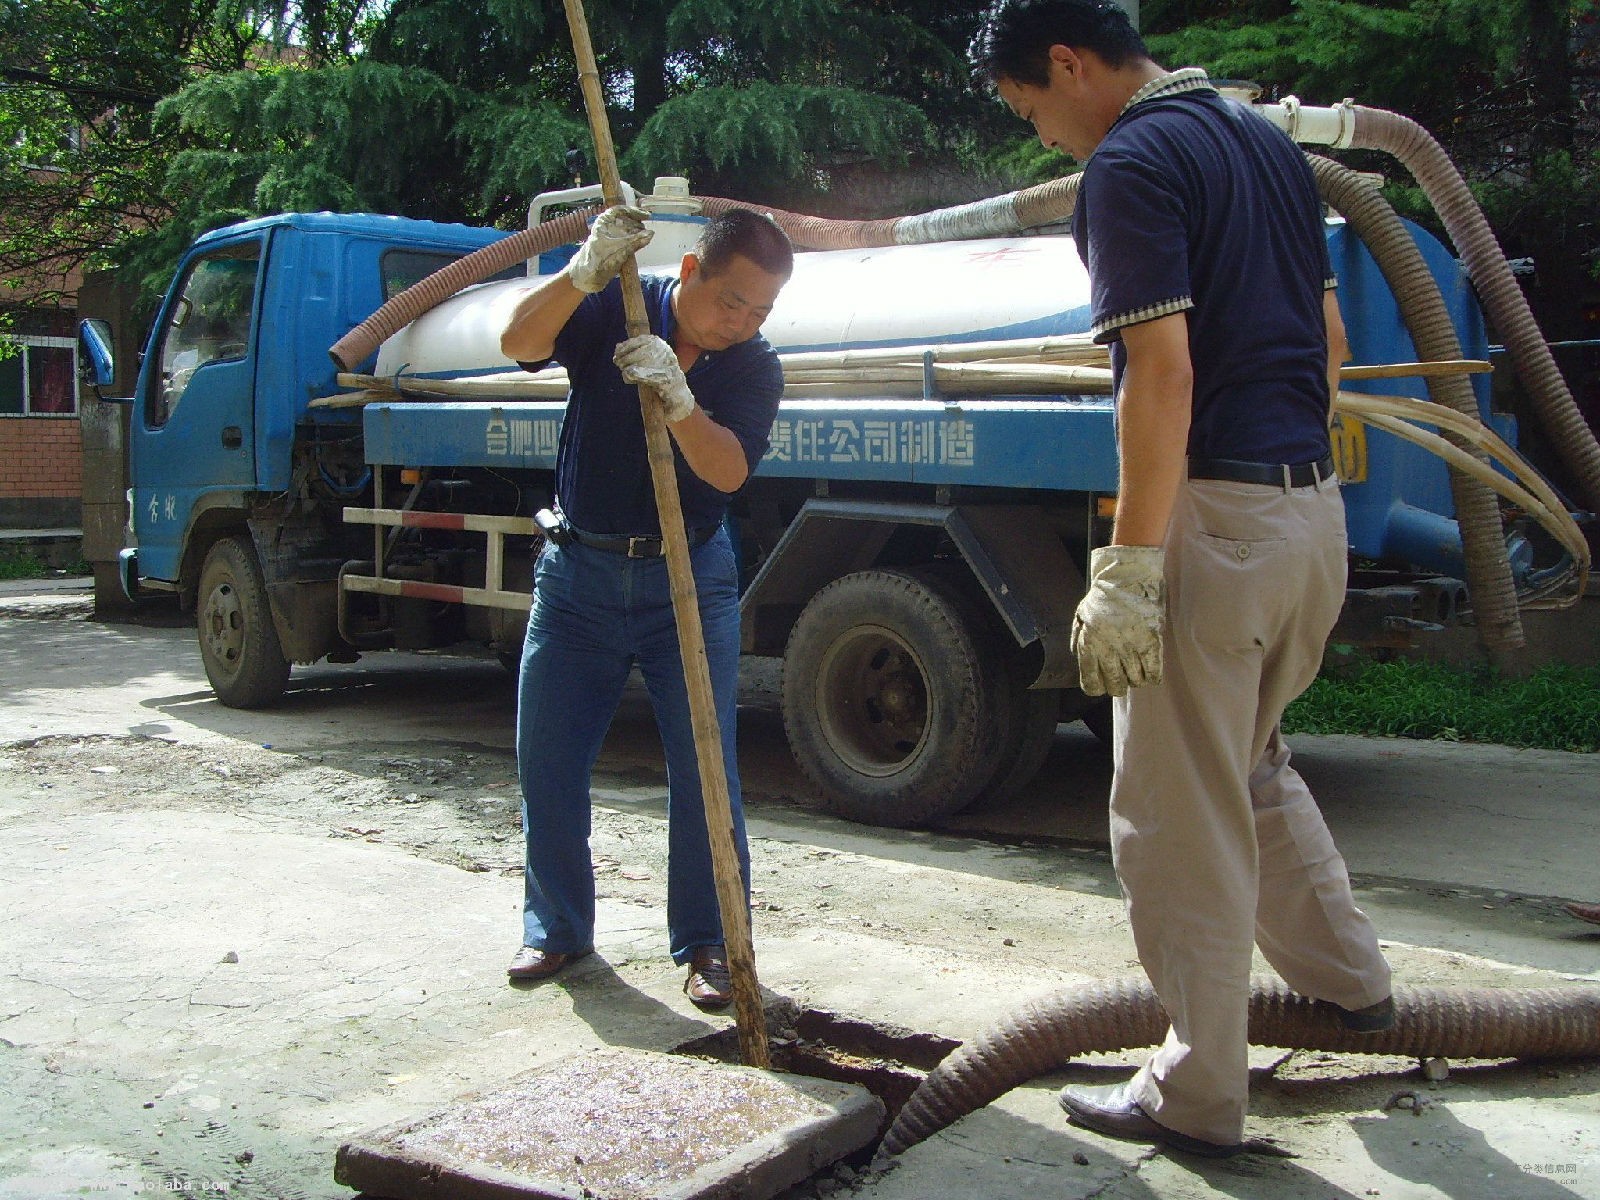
pixel 1049 1030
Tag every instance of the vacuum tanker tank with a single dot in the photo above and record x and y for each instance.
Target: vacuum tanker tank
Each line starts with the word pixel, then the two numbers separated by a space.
pixel 992 289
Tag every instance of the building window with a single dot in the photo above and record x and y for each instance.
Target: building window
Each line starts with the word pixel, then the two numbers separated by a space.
pixel 38 376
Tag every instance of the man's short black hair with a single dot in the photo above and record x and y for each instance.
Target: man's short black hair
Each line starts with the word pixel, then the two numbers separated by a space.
pixel 1014 38
pixel 744 231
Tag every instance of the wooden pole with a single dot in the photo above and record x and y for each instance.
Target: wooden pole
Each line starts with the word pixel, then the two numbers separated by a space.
pixel 685 603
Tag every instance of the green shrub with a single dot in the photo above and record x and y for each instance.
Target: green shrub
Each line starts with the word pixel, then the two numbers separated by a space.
pixel 22 564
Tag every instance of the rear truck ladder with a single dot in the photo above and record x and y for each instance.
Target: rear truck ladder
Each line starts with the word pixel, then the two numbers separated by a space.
pixel 493 595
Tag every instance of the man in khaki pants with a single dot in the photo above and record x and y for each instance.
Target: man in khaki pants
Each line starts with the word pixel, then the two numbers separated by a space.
pixel 1207 613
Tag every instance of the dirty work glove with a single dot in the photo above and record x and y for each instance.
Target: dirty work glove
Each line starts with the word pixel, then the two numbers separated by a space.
pixel 615 234
pixel 648 360
pixel 1116 632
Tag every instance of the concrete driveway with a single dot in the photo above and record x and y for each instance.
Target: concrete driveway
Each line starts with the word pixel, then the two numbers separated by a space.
pixel 234 940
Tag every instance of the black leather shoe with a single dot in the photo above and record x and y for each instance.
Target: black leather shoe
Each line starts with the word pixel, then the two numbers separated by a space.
pixel 1374 1018
pixel 532 964
pixel 1114 1112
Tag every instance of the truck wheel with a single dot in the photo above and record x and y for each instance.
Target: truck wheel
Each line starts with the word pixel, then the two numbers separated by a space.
pixel 1026 718
pixel 238 641
pixel 1035 715
pixel 884 693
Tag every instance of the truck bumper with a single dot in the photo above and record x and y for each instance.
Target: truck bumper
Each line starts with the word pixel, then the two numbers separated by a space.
pixel 128 573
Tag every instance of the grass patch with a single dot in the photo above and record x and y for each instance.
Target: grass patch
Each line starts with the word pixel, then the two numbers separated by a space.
pixel 22 564
pixel 1556 708
pixel 25 564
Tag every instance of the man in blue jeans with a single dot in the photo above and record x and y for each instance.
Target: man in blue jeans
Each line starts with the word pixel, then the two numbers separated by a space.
pixel 602 602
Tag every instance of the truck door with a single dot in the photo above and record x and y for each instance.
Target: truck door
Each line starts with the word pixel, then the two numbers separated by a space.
pixel 196 443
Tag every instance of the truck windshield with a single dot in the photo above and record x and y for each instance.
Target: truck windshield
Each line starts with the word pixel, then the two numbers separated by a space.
pixel 209 322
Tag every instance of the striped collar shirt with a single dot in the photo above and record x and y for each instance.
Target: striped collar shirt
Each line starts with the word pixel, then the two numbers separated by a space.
pixel 1173 83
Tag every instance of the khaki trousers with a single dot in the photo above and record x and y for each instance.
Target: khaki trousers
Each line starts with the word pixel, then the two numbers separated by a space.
pixel 1217 841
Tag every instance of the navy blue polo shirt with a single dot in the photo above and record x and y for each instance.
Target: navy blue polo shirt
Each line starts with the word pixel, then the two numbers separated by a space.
pixel 602 470
pixel 1194 203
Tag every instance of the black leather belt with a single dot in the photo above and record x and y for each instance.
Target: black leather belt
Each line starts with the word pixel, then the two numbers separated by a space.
pixel 649 546
pixel 1272 474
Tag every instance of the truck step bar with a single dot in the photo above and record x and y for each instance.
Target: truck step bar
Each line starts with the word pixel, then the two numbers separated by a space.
pixel 494 595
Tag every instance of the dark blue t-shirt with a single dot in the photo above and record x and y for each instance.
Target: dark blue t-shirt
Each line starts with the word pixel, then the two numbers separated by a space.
pixel 1194 203
pixel 602 470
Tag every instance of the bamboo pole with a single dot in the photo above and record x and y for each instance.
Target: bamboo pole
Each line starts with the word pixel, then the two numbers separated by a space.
pixel 685 604
pixel 1057 348
pixel 1036 366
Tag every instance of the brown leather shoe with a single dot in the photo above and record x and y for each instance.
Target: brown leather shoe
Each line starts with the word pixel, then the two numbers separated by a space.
pixel 1584 912
pixel 532 963
pixel 709 985
pixel 1114 1112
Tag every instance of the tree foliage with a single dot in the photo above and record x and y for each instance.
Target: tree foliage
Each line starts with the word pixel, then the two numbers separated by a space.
pixel 80 157
pixel 1506 86
pixel 126 129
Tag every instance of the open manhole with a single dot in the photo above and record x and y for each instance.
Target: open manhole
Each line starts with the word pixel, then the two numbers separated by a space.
pixel 889 1061
pixel 692 1124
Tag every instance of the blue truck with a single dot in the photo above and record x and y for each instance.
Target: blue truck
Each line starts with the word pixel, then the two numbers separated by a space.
pixel 914 558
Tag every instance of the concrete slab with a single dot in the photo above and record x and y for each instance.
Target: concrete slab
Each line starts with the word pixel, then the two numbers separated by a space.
pixel 620 1125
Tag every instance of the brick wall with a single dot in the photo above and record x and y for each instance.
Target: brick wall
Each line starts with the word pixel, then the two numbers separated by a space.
pixel 41 458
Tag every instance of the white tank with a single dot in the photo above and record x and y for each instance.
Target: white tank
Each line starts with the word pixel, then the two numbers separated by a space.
pixel 979 290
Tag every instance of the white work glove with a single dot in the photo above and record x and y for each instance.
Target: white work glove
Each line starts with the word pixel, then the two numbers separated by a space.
pixel 648 360
pixel 615 234
pixel 1116 632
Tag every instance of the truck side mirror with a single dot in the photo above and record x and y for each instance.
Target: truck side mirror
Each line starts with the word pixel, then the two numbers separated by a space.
pixel 97 364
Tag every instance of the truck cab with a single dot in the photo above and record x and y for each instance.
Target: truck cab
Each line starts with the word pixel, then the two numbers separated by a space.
pixel 220 456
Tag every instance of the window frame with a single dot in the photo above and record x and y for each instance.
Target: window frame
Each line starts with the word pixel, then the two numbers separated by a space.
pixel 26 342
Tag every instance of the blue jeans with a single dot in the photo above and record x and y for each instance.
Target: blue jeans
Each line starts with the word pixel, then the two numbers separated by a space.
pixel 595 614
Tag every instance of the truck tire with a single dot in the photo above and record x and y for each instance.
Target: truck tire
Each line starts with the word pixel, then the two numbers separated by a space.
pixel 1027 718
pixel 238 641
pixel 884 700
pixel 1035 715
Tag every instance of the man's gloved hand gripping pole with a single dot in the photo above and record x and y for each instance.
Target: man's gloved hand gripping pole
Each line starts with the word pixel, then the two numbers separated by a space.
pixel 649 362
pixel 615 237
pixel 685 604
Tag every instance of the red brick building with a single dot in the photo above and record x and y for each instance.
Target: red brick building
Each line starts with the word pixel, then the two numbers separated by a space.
pixel 41 449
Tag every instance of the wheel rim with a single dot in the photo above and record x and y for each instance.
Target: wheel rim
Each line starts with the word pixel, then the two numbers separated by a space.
pixel 223 624
pixel 873 699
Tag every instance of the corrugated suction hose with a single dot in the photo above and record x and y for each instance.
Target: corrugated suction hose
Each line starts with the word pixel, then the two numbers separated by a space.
pixel 1483 539
pixel 1048 1031
pixel 403 308
pixel 1415 147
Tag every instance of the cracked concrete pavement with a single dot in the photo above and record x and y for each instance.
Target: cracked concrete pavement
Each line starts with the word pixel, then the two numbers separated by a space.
pixel 236 939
